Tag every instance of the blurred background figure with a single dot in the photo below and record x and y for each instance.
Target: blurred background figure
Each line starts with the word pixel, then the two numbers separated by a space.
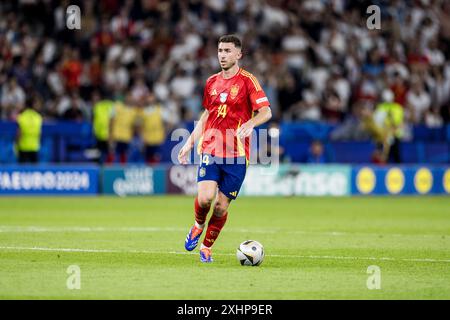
pixel 389 117
pixel 378 134
pixel 29 123
pixel 123 123
pixel 12 99
pixel 75 110
pixel 269 148
pixel 102 114
pixel 316 153
pixel 152 128
pixel 418 101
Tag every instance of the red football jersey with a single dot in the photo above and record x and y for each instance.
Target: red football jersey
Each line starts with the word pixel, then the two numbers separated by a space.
pixel 230 103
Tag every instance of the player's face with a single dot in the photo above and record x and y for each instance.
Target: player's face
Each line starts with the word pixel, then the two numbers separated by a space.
pixel 228 55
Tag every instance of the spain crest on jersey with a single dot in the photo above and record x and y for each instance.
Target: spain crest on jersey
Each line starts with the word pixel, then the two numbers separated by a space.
pixel 234 91
pixel 223 97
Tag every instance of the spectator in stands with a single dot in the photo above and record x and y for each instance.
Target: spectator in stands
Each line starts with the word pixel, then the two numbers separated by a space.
pixel 28 140
pixel 95 71
pixel 439 86
pixel 289 95
pixel 316 153
pixel 139 91
pixel 332 107
pixel 183 84
pixel 76 109
pixel 71 69
pixel 22 72
pixel 269 149
pixel 418 101
pixel 399 88
pixel 374 65
pixel 308 108
pixel 433 118
pixel 12 99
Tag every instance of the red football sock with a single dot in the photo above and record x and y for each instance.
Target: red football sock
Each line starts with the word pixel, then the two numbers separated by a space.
pixel 200 212
pixel 215 224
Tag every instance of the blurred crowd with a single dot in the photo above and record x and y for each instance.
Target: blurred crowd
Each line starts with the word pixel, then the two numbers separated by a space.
pixel 317 60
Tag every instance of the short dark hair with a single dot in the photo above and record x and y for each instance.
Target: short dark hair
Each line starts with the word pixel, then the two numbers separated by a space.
pixel 231 38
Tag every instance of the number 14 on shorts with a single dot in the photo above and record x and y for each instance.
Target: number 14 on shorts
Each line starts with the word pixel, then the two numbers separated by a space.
pixel 205 159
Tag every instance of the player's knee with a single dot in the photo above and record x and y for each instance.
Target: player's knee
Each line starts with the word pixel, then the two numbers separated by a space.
pixel 205 200
pixel 220 209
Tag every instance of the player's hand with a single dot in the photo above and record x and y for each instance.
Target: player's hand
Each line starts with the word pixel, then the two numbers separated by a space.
pixel 245 130
pixel 184 152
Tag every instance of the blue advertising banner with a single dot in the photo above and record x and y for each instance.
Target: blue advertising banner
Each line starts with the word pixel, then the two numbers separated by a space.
pixel 49 180
pixel 133 180
pixel 393 180
pixel 305 180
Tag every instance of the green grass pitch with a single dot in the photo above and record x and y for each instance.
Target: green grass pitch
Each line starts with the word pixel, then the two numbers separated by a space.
pixel 316 248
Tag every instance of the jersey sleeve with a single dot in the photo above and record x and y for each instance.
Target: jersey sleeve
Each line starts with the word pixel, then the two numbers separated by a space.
pixel 257 96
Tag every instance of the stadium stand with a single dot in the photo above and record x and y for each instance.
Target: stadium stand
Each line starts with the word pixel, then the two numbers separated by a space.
pixel 318 63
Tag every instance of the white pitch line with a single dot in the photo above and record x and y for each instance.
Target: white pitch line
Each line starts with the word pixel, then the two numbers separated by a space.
pixel 314 257
pixel 24 229
pixel 36 229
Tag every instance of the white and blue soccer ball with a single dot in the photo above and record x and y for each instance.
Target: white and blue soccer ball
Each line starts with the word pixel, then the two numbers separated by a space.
pixel 250 253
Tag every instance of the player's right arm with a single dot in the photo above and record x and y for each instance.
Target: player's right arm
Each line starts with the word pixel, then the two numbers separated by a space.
pixel 195 135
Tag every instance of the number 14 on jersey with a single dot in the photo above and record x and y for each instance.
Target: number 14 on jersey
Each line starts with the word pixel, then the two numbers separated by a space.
pixel 222 111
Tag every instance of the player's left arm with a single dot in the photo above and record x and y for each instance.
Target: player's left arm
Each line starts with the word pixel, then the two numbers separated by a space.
pixel 260 106
pixel 263 115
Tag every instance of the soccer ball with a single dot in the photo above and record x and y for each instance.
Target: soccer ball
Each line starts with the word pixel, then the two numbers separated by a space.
pixel 250 253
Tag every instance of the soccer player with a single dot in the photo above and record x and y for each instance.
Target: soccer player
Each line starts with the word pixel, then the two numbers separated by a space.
pixel 234 104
